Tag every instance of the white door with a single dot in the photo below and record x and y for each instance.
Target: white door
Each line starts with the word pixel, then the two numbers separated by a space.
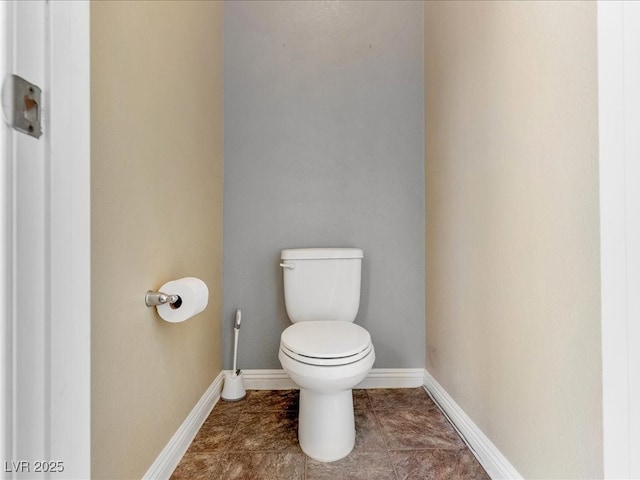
pixel 44 208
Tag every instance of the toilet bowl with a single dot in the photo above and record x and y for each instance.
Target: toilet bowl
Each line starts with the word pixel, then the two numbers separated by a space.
pixel 326 360
pixel 323 352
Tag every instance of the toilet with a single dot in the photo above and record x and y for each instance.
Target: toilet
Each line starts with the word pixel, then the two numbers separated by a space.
pixel 324 352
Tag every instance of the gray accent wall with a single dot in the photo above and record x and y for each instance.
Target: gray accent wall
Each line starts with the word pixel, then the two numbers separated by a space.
pixel 323 147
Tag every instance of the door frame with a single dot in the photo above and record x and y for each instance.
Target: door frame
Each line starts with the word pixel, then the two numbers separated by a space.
pixel 59 366
pixel 619 163
pixel 70 239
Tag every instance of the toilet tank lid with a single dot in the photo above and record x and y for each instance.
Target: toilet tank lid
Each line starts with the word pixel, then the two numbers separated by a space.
pixel 320 253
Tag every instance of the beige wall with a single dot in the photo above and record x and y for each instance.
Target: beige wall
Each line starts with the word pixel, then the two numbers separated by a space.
pixel 512 236
pixel 156 180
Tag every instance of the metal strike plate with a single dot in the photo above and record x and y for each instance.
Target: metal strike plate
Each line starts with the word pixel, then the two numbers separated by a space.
pixel 21 106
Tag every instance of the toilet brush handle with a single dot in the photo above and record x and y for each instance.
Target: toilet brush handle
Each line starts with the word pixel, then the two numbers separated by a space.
pixel 236 323
pixel 235 348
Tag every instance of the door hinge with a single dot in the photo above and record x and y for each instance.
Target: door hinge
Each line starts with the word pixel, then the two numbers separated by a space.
pixel 21 106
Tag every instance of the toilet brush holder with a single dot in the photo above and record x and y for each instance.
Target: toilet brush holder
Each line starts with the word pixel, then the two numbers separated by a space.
pixel 233 388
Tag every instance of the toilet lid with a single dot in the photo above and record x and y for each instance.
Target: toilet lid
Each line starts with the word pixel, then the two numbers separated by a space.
pixel 326 340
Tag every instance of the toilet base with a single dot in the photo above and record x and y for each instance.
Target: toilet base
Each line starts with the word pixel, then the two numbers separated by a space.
pixel 326 425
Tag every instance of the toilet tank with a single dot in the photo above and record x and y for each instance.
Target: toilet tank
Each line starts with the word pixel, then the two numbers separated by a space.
pixel 322 283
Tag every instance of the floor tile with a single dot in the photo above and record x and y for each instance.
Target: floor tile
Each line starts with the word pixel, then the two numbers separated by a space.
pixel 197 466
pixel 417 429
pixel 266 431
pixel 272 400
pixel 361 400
pixel 262 466
pixel 356 466
pixel 214 435
pixel 399 398
pixel 236 406
pixel 437 465
pixel 400 434
pixel 368 432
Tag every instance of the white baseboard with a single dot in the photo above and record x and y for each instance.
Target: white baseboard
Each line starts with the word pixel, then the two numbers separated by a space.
pixel 170 456
pixel 267 379
pixel 393 378
pixel 491 459
pixel 277 379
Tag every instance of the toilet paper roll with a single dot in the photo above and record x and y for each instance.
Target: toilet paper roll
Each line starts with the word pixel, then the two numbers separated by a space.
pixel 194 296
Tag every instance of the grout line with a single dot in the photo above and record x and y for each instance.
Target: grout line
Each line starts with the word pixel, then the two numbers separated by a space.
pixel 218 467
pixel 235 425
pixel 384 438
pixel 304 470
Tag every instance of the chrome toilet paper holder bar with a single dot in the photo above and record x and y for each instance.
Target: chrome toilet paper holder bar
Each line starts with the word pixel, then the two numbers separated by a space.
pixel 153 299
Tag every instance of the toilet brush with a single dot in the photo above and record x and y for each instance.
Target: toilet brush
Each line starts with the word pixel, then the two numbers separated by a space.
pixel 233 387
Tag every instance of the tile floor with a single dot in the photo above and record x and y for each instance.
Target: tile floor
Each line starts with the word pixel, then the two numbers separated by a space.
pixel 400 434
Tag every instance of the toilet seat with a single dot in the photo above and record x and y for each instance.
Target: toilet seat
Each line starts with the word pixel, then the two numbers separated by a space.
pixel 326 361
pixel 326 343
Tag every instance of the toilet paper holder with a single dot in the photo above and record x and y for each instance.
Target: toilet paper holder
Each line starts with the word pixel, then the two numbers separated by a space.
pixel 153 299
